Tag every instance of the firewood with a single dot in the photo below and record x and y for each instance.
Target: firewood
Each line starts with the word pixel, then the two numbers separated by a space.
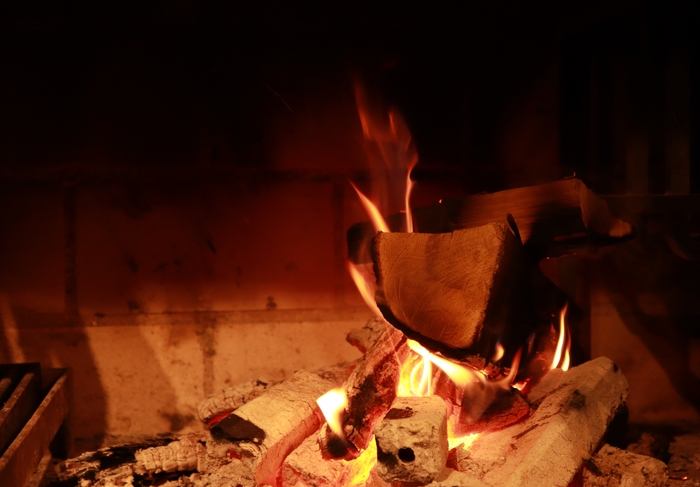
pixel 453 478
pixel 549 447
pixel 370 391
pixel 307 466
pixel 456 292
pixel 612 467
pixel 554 219
pixel 187 453
pixel 231 398
pixel 249 445
pixel 412 440
pixel 363 338
pixel 216 406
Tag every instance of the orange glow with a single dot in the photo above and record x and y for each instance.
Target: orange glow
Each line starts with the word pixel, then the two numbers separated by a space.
pixel 415 377
pixel 365 287
pixel 453 441
pixel 498 353
pixel 362 465
pixel 372 211
pixel 333 404
pixel 563 344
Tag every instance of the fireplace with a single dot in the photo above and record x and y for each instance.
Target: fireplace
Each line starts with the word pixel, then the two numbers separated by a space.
pixel 175 194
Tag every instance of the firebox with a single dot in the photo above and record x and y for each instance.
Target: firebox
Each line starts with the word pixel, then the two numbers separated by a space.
pixel 201 205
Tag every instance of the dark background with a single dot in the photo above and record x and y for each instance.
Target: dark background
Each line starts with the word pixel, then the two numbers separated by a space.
pixel 127 85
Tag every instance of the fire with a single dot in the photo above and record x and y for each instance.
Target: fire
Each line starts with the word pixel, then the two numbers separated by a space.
pixel 453 441
pixel 498 353
pixel 333 404
pixel 365 286
pixel 563 344
pixel 462 376
pixel 416 377
pixel 374 215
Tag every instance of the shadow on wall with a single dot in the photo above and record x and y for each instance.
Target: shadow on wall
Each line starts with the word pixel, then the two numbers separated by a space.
pixel 655 294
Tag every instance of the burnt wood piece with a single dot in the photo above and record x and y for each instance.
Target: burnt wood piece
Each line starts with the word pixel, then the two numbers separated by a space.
pixel 218 405
pixel 412 440
pixel 457 292
pixel 612 467
pixel 249 445
pixel 307 466
pixel 504 409
pixel 25 452
pixel 549 447
pixel 371 389
pixel 186 454
pixel 554 219
pixel 363 338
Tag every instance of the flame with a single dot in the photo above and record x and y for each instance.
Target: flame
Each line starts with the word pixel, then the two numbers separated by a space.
pixel 416 377
pixel 498 353
pixel 453 441
pixel 372 211
pixel 563 344
pixel 333 404
pixel 365 286
pixel 462 376
pixel 362 465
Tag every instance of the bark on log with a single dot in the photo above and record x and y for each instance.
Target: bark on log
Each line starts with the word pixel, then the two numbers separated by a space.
pixel 554 219
pixel 549 447
pixel 612 467
pixel 249 445
pixel 307 466
pixel 412 440
pixel 456 292
pixel 370 391
pixel 363 338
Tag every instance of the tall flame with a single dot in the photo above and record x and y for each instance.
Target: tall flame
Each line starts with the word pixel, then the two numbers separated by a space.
pixel 563 344
pixel 462 376
pixel 365 286
pixel 372 211
pixel 333 404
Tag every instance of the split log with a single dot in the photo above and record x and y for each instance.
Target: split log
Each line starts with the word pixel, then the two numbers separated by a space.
pixel 218 405
pixel 412 440
pixel 612 467
pixel 249 445
pixel 457 292
pixel 554 219
pixel 307 466
pixel 363 338
pixel 370 391
pixel 549 447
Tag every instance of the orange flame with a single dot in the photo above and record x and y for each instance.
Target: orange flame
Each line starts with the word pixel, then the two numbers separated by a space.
pixel 454 441
pixel 460 375
pixel 563 344
pixel 415 378
pixel 374 213
pixel 366 288
pixel 333 404
pixel 498 353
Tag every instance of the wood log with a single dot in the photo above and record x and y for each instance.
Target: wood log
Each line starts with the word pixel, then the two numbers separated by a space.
pixel 412 440
pixel 554 219
pixel 370 391
pixel 220 404
pixel 458 293
pixel 453 478
pixel 363 338
pixel 549 447
pixel 612 467
pixel 187 453
pixel 307 466
pixel 248 446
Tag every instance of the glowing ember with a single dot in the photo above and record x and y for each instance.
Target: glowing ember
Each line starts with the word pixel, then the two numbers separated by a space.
pixel 363 465
pixel 453 441
pixel 333 404
pixel 563 344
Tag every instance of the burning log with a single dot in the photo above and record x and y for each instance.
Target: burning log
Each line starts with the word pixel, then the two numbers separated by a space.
pixel 549 447
pixel 370 391
pixel 412 440
pixel 612 467
pixel 306 466
pixel 554 219
pixel 363 338
pixel 225 401
pixel 249 445
pixel 457 291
